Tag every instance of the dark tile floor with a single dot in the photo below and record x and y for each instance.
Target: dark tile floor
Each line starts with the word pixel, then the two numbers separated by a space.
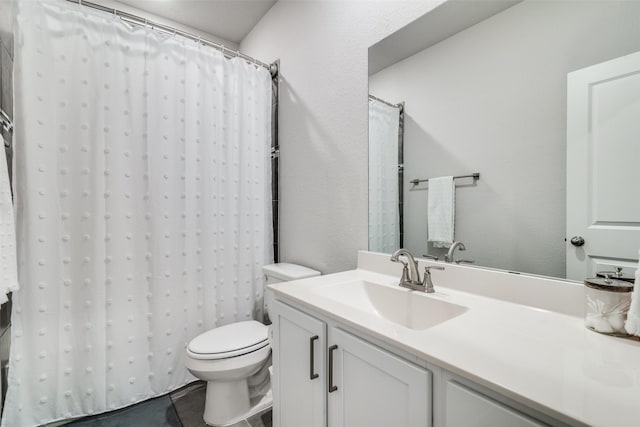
pixel 182 408
pixel 155 412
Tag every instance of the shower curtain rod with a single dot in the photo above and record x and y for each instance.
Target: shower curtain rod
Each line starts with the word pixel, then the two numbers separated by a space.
pixel 399 105
pixel 138 20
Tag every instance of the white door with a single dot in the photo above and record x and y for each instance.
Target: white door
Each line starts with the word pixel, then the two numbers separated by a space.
pixel 603 167
pixel 372 388
pixel 299 392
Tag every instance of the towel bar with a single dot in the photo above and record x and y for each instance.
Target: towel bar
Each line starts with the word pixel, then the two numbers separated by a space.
pixel 475 176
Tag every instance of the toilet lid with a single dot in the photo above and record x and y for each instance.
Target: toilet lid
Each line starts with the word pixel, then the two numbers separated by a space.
pixel 230 340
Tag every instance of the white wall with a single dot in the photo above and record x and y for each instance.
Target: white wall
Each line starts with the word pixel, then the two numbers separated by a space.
pixel 322 46
pixel 492 99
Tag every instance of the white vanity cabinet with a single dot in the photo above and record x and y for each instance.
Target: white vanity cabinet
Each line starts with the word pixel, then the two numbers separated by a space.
pixel 328 375
pixel 357 383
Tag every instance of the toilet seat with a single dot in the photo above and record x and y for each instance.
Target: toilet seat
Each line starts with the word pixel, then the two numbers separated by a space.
pixel 228 341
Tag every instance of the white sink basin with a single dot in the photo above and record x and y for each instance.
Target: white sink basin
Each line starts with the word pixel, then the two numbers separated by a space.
pixel 411 309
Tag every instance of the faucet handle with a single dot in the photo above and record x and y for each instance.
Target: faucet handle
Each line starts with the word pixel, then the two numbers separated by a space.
pixel 427 272
pixel 405 273
pixel 465 261
pixel 426 280
pixel 435 258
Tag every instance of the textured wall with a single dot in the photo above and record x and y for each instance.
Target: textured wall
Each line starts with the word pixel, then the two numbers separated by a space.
pixel 492 99
pixel 323 46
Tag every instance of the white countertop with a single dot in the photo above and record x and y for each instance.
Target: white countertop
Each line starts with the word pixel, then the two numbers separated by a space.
pixel 546 360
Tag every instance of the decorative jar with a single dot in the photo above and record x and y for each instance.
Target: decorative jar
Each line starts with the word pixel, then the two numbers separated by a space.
pixel 607 303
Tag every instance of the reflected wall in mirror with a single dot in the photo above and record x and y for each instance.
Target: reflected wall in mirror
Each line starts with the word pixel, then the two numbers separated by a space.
pixel 491 96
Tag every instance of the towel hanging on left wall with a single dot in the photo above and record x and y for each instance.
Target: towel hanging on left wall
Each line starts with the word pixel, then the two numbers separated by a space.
pixel 8 259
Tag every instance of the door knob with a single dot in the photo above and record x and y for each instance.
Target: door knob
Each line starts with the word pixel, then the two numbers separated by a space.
pixel 577 241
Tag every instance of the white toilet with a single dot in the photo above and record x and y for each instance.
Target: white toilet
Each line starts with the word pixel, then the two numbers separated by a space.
pixel 227 356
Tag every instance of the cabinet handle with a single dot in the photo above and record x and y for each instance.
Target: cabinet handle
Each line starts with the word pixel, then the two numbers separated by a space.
pixel 332 387
pixel 312 375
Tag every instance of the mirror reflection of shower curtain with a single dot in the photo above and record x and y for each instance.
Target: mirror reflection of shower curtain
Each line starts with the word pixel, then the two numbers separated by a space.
pixel 384 197
pixel 144 208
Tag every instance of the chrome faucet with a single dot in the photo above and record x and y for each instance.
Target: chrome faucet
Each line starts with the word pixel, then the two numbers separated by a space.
pixel 410 276
pixel 456 245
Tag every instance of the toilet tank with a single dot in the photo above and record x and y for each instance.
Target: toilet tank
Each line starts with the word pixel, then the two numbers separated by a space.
pixel 283 272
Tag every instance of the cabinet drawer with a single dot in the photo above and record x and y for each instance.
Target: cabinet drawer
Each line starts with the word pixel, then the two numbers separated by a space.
pixel 468 408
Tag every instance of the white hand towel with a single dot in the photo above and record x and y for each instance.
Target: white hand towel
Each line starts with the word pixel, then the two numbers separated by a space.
pixel 441 211
pixel 8 264
pixel 633 317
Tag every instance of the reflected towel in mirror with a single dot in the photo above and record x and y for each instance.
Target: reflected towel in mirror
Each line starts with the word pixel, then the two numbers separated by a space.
pixel 441 210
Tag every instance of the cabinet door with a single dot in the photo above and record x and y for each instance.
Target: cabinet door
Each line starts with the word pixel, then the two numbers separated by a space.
pixel 468 408
pixel 299 343
pixel 375 388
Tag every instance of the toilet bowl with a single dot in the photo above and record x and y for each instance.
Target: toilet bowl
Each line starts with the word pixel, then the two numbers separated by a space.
pixel 227 356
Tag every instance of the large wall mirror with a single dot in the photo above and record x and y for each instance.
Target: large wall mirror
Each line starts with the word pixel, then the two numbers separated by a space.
pixel 535 107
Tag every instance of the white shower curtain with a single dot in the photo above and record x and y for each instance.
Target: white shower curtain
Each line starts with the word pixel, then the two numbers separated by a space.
pixel 384 217
pixel 143 203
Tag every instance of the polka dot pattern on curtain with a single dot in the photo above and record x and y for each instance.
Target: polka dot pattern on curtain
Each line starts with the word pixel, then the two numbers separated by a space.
pixel 143 203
